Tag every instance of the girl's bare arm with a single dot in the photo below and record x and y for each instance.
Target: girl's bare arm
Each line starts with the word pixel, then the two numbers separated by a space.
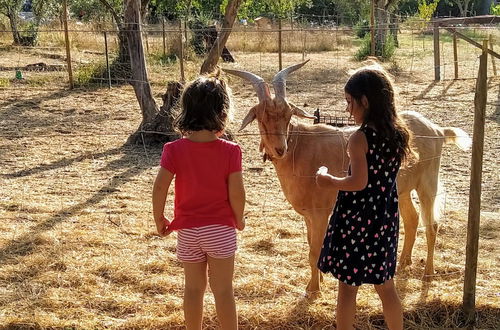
pixel 236 192
pixel 160 191
pixel 358 179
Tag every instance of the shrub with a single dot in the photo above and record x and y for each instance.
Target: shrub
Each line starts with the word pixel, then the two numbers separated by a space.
pixel 387 51
pixel 362 28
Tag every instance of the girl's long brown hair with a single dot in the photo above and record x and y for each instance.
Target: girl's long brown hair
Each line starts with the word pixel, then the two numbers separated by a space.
pixel 376 86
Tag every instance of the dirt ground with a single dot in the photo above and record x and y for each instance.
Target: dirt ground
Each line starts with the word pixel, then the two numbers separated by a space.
pixel 77 242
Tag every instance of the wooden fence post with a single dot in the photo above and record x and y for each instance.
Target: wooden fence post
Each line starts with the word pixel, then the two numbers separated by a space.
pixel 164 37
pixel 492 57
pixel 304 45
pixel 455 55
pixel 372 28
pixel 437 62
pixel 106 52
pixel 279 45
pixel 181 55
pixel 68 48
pixel 471 251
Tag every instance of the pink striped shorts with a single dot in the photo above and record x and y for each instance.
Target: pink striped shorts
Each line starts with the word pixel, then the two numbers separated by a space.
pixel 216 241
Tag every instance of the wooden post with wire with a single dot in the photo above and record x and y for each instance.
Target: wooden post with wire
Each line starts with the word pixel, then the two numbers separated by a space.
pixel 68 48
pixel 279 45
pixel 106 53
pixel 455 55
pixel 437 62
pixel 372 29
pixel 304 46
pixel 493 64
pixel 163 36
pixel 471 250
pixel 181 53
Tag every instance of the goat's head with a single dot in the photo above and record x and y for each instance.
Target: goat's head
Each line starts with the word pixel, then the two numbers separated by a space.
pixel 273 114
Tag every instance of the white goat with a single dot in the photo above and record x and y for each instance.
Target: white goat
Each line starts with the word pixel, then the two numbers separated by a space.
pixel 297 150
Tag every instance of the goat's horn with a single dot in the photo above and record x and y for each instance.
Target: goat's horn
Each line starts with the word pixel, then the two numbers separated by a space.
pixel 279 80
pixel 258 83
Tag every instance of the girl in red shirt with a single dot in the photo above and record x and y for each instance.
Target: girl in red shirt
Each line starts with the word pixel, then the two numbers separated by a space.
pixel 209 199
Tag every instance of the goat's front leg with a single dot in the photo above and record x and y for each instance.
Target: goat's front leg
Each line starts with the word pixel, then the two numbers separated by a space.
pixel 410 220
pixel 316 234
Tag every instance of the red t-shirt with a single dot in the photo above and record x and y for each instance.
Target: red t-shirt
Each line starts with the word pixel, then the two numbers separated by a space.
pixel 201 172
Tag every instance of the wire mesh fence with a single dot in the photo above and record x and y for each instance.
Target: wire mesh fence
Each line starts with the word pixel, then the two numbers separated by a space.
pixel 99 57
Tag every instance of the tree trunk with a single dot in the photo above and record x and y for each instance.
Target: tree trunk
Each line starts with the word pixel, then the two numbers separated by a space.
pixel 13 25
pixel 120 68
pixel 213 56
pixel 153 121
pixel 381 21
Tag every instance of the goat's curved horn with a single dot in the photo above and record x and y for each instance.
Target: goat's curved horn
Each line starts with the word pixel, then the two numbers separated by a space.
pixel 258 83
pixel 279 80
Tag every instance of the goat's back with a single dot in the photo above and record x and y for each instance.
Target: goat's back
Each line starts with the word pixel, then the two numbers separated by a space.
pixel 427 144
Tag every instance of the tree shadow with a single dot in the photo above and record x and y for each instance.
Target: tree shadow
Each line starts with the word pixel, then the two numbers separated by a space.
pixel 445 90
pixel 426 91
pixel 63 163
pixel 26 244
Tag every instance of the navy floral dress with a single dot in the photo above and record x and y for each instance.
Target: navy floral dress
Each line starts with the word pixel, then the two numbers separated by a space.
pixel 360 244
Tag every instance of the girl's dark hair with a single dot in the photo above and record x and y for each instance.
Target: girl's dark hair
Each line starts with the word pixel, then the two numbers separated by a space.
pixel 376 86
pixel 205 104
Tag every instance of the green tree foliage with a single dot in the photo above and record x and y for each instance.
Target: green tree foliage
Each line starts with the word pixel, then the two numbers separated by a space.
pixel 279 8
pixel 88 10
pixel 495 9
pixel 426 10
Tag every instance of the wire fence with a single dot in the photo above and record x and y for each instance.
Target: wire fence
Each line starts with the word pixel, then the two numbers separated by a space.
pixel 97 58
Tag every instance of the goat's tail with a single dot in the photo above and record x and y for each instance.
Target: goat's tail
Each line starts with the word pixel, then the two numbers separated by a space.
pixel 457 136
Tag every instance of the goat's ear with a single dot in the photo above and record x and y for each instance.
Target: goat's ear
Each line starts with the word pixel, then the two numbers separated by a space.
pixel 299 112
pixel 248 118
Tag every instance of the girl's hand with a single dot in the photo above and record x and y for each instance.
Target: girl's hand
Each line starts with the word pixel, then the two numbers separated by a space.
pixel 240 224
pixel 323 179
pixel 162 226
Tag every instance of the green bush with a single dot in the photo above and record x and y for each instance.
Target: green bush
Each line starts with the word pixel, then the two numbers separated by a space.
pixel 162 60
pixel 386 53
pixel 91 73
pixel 362 28
pixel 364 50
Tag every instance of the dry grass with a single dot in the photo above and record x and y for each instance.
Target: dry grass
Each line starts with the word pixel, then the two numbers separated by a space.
pixel 77 243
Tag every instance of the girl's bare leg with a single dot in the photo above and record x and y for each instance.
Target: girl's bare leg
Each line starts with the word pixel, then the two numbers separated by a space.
pixel 346 306
pixel 393 312
pixel 195 277
pixel 221 282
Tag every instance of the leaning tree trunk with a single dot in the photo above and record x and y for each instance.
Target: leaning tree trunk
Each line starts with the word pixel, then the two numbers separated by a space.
pixel 213 56
pixel 13 25
pixel 156 125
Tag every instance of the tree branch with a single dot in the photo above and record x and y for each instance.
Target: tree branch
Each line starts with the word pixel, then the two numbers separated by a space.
pixel 113 12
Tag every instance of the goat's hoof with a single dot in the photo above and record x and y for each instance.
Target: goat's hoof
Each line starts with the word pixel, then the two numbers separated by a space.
pixel 404 263
pixel 312 295
pixel 428 276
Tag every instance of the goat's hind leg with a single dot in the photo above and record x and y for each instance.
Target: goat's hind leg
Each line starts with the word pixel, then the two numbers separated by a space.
pixel 410 220
pixel 427 195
